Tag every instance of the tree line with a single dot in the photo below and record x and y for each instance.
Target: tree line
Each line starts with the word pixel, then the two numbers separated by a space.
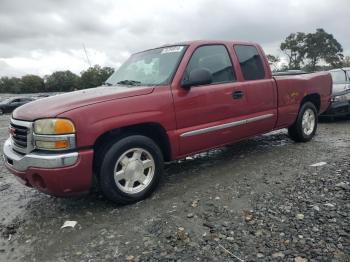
pixel 310 52
pixel 304 51
pixel 59 81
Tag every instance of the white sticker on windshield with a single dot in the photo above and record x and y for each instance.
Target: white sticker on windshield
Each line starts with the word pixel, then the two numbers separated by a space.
pixel 172 49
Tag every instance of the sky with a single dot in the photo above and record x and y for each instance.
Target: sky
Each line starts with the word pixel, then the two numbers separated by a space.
pixel 43 36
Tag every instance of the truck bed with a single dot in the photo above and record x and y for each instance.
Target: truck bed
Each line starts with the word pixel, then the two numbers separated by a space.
pixel 291 89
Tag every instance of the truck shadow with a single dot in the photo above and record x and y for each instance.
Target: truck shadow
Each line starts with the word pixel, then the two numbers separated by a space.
pixel 333 120
pixel 235 152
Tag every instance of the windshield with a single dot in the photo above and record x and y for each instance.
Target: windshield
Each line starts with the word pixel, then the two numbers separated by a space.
pixel 339 76
pixel 6 101
pixel 152 67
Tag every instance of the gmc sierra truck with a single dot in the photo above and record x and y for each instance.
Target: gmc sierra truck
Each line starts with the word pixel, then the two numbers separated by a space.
pixel 161 105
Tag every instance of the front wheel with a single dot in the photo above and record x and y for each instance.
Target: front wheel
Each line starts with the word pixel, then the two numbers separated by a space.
pixel 131 169
pixel 304 128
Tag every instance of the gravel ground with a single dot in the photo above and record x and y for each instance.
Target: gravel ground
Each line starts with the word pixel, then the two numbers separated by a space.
pixel 258 200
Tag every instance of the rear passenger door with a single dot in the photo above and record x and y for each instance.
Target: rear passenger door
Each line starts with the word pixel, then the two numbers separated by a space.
pixel 260 90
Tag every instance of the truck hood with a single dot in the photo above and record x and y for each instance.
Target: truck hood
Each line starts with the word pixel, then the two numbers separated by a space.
pixel 58 104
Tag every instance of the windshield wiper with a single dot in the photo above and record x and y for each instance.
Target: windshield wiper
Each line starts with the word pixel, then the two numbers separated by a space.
pixel 129 82
pixel 107 84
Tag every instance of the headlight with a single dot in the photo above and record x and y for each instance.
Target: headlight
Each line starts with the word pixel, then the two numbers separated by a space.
pixel 53 126
pixel 54 134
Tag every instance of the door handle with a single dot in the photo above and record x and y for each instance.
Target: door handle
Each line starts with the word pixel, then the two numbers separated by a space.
pixel 237 94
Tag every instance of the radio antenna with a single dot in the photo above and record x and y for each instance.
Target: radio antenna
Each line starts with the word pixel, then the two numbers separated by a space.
pixel 87 57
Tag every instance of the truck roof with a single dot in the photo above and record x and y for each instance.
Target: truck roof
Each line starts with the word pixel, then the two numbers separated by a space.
pixel 201 42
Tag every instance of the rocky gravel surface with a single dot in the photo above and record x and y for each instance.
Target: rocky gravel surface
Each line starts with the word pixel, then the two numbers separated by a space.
pixel 258 200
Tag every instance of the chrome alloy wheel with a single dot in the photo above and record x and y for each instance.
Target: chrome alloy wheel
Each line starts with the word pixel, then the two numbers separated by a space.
pixel 308 122
pixel 134 170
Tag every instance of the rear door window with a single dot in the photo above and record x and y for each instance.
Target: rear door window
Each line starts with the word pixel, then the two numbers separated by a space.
pixel 214 58
pixel 250 62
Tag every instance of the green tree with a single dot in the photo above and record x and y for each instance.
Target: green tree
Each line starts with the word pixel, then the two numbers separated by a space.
pixel 322 46
pixel 10 84
pixel 273 61
pixel 294 47
pixel 95 76
pixel 61 81
pixel 31 84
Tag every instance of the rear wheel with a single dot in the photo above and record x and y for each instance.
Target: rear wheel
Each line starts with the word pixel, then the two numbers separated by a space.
pixel 305 126
pixel 130 169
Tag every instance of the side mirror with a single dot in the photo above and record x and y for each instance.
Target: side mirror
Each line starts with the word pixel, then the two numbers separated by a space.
pixel 200 76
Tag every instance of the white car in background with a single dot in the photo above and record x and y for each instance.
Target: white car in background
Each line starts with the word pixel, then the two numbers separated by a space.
pixel 340 105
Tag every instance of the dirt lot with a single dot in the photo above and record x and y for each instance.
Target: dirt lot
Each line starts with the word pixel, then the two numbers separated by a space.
pixel 259 200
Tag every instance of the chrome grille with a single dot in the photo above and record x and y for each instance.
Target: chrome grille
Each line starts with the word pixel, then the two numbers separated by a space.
pixel 21 135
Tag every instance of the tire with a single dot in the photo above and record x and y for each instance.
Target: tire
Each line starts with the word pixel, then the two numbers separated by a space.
pixel 1 111
pixel 130 169
pixel 300 132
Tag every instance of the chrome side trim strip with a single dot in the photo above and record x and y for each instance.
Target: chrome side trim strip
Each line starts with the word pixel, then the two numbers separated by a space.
pixel 258 118
pixel 213 128
pixel 228 125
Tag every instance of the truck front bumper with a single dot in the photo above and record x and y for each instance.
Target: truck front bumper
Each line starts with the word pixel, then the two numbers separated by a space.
pixel 58 174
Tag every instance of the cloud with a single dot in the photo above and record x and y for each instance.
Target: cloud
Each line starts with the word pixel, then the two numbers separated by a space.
pixel 46 35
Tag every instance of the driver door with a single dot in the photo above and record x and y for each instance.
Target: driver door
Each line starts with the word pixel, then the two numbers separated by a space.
pixel 209 115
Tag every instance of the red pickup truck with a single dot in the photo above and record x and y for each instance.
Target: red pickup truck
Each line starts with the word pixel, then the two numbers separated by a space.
pixel 162 104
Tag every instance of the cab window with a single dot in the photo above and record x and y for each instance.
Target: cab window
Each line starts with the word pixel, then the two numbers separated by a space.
pixel 214 58
pixel 250 62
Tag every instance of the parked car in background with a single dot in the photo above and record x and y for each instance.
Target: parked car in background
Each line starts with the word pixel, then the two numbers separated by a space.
pixel 42 95
pixel 340 105
pixel 10 104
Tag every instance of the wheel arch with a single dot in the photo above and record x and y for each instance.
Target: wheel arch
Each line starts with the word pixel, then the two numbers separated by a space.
pixel 313 98
pixel 155 131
